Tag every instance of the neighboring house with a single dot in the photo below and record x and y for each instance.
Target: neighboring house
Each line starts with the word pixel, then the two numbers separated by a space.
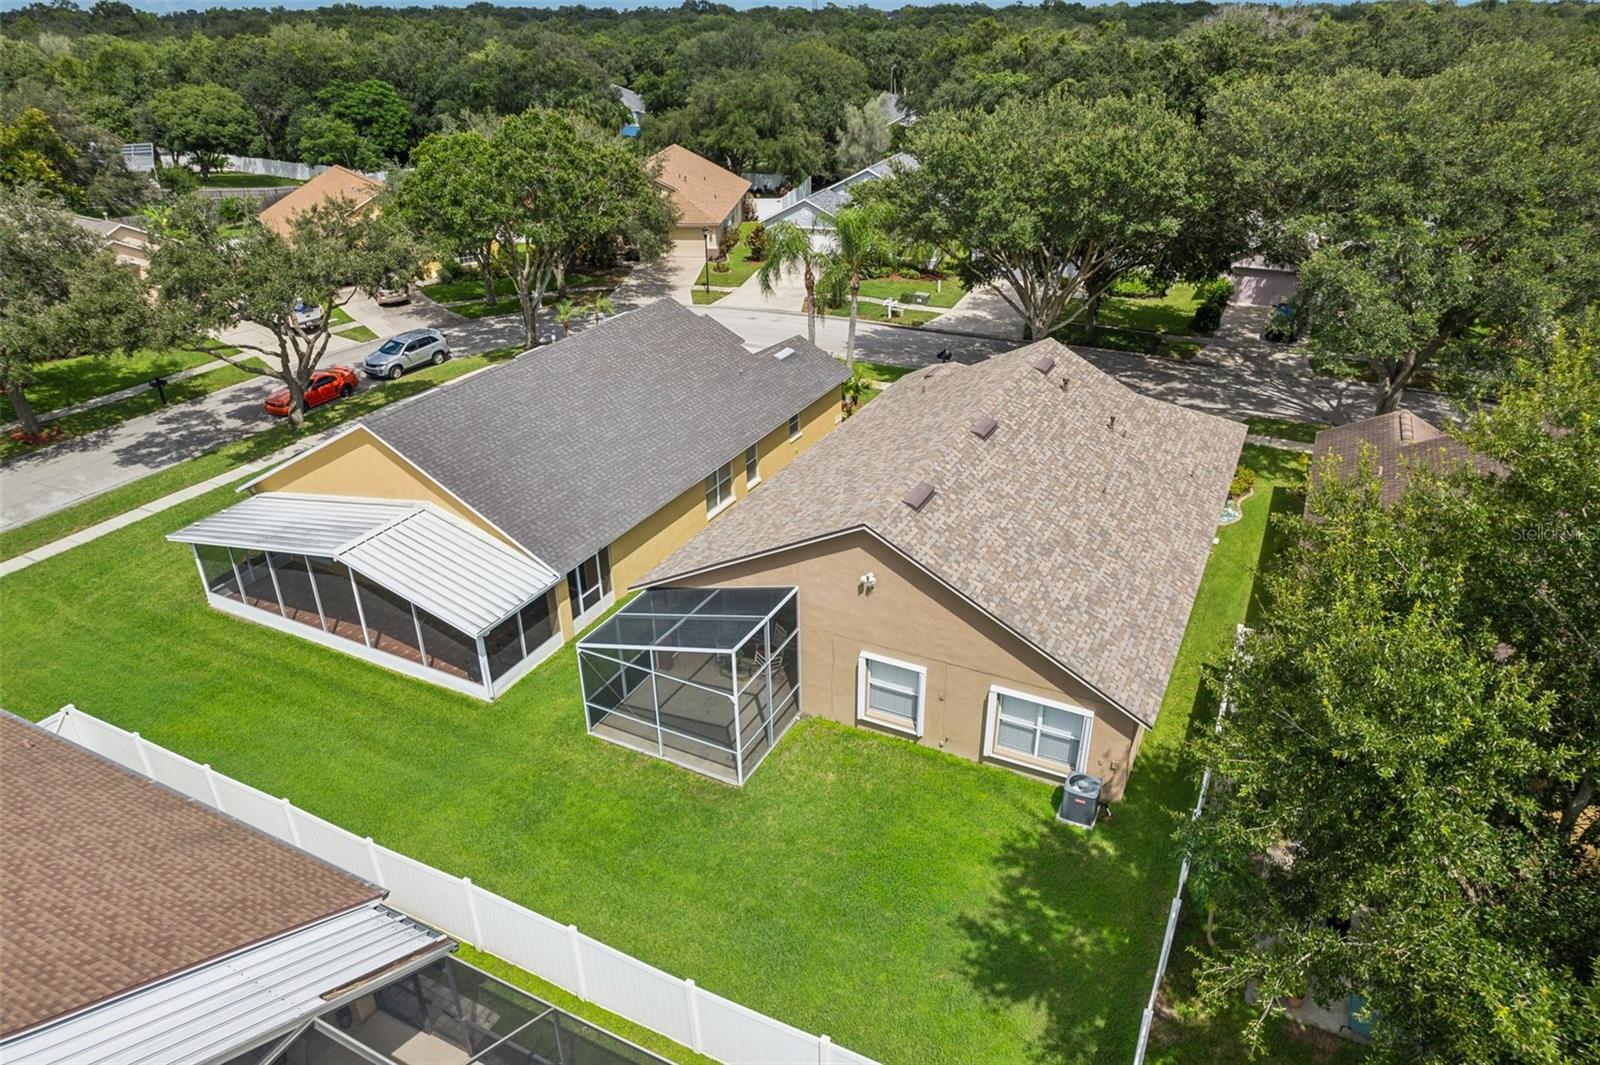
pixel 997 560
pixel 1396 443
pixel 128 242
pixel 709 198
pixel 464 535
pixel 334 183
pixel 815 211
pixel 636 109
pixel 141 925
pixel 1259 283
pixel 899 113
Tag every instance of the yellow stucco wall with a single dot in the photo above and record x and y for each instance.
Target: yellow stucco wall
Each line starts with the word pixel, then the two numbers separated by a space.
pixel 361 465
pixel 649 543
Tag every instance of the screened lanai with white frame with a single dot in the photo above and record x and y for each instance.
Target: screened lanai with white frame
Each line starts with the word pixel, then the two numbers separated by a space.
pixel 708 678
pixel 403 584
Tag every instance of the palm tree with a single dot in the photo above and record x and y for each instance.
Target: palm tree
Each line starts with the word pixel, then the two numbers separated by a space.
pixel 565 312
pixel 788 247
pixel 600 308
pixel 860 243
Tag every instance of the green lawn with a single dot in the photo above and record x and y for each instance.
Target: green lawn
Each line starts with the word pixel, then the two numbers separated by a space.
pixel 876 312
pixel 122 499
pixel 230 180
pixel 1286 428
pixel 67 381
pixel 1172 313
pixel 701 297
pixel 882 371
pixel 338 316
pixel 971 928
pixel 740 266
pixel 358 333
pixel 148 402
pixel 471 289
pixel 940 293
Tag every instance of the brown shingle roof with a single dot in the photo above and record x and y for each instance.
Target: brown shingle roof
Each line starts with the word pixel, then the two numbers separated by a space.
pixel 332 184
pixel 1400 441
pixel 704 192
pixel 1083 521
pixel 109 881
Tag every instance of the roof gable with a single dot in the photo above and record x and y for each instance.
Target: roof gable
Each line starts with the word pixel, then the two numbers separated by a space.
pixel 704 192
pixel 1399 441
pixel 1082 520
pixel 334 183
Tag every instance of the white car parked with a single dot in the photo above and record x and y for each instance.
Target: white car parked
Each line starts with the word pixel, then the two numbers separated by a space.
pixel 407 351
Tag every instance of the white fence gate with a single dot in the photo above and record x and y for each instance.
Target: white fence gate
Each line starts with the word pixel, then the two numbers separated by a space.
pixel 679 1010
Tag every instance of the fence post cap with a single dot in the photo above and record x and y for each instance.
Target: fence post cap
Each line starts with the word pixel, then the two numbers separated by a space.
pixel 467 880
pixel 688 981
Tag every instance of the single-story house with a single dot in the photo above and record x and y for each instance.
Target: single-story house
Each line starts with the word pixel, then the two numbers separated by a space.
pixel 1397 443
pixel 334 183
pixel 463 535
pixel 997 560
pixel 815 212
pixel 141 925
pixel 710 199
pixel 1258 282
pixel 129 243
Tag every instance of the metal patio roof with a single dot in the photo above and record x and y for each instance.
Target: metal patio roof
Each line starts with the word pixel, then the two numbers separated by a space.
pixel 216 1010
pixel 453 570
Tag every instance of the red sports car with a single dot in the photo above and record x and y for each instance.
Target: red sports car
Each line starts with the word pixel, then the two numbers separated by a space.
pixel 325 385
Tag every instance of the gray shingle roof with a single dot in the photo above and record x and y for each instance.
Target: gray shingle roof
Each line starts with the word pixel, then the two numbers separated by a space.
pixel 1083 521
pixel 570 446
pixel 1400 442
pixel 829 200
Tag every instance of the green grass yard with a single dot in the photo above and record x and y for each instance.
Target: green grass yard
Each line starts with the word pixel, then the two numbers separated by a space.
pixel 120 500
pixel 65 382
pixel 230 180
pixel 968 926
pixel 359 333
pixel 740 266
pixel 701 297
pixel 1285 428
pixel 940 293
pixel 876 312
pixel 1172 313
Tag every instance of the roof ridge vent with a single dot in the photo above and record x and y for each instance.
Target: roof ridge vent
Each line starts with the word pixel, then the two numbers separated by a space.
pixel 1044 364
pixel 918 496
pixel 983 426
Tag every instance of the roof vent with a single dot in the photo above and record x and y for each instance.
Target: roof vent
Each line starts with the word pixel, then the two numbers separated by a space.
pixel 1044 364
pixel 782 353
pixel 983 427
pixel 919 495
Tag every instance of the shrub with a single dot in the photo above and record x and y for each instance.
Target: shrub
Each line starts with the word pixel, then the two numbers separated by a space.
pixel 1244 479
pixel 453 269
pixel 1138 284
pixel 757 242
pixel 1214 296
pixel 236 209
pixel 177 180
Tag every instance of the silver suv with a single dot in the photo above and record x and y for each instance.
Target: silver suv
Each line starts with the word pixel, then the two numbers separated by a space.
pixel 407 351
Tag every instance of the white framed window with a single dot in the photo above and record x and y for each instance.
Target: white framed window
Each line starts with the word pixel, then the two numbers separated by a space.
pixel 1040 733
pixel 752 465
pixel 590 582
pixel 890 693
pixel 719 488
pixel 794 426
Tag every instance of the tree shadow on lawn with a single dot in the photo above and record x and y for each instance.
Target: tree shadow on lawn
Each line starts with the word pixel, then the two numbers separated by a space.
pixel 1285 502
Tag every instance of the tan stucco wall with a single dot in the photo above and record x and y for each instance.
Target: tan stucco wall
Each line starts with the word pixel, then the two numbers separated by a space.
pixel 361 465
pixel 911 617
pixel 647 544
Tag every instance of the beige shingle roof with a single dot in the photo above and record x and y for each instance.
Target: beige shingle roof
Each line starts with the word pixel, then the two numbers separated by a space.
pixel 704 192
pixel 1400 442
pixel 109 881
pixel 1083 521
pixel 332 184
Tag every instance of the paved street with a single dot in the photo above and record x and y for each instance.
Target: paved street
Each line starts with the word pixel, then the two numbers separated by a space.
pixel 66 473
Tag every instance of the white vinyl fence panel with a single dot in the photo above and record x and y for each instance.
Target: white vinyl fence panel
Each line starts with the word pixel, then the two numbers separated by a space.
pixel 675 1007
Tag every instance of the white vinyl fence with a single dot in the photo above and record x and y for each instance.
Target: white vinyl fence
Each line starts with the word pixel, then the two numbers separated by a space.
pixel 1183 878
pixel 707 1023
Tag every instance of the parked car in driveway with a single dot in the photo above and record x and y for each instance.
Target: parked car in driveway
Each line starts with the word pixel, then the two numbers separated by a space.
pixel 307 316
pixel 407 351
pixel 325 385
pixel 390 294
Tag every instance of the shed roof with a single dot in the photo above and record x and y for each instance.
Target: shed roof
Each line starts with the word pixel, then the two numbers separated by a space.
pixel 1400 442
pixel 704 192
pixel 569 446
pixel 334 183
pixel 110 882
pixel 1082 521
pixel 454 571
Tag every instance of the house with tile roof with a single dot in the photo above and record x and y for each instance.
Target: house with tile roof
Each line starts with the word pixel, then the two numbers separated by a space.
pixel 997 560
pixel 464 535
pixel 815 211
pixel 1397 444
pixel 709 198
pixel 334 183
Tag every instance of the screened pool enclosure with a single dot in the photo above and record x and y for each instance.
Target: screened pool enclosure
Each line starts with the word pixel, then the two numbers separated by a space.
pixel 708 678
pixel 401 584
